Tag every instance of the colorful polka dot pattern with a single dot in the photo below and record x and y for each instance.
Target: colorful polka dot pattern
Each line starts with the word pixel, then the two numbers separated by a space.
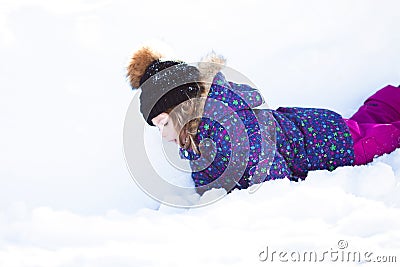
pixel 285 143
pixel 312 139
pixel 228 124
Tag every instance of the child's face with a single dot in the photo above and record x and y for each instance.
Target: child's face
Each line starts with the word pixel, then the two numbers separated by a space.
pixel 166 126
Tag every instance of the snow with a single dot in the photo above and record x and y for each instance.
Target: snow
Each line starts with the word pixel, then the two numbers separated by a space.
pixel 360 205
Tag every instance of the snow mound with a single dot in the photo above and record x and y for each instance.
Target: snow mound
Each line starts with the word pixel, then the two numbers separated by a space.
pixel 352 210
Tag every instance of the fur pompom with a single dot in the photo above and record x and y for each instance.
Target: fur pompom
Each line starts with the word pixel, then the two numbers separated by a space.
pixel 141 59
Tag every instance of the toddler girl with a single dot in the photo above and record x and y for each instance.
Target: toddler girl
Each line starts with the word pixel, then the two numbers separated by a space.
pixel 233 143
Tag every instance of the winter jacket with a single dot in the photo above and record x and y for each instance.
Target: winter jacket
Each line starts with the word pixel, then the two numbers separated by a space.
pixel 241 145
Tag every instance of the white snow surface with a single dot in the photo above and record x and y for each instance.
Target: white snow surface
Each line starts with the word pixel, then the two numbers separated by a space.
pixel 356 205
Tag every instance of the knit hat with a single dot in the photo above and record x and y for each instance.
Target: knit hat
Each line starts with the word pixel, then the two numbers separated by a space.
pixel 164 84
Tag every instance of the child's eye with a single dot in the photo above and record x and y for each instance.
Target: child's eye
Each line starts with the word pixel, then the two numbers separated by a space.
pixel 166 123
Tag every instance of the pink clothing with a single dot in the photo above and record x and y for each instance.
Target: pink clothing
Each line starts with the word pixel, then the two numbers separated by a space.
pixel 375 127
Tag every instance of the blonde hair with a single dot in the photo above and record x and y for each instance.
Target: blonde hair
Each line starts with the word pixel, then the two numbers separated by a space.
pixel 187 115
pixel 186 118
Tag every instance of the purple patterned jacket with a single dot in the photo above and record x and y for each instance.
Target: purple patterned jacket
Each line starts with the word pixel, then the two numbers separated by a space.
pixel 241 145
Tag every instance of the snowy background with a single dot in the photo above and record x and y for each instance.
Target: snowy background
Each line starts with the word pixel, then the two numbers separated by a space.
pixel 66 196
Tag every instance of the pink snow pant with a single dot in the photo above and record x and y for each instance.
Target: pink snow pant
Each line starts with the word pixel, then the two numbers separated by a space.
pixel 375 127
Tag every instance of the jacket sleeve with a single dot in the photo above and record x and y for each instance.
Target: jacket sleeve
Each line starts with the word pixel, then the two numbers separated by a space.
pixel 272 167
pixel 223 156
pixel 250 95
pixel 214 152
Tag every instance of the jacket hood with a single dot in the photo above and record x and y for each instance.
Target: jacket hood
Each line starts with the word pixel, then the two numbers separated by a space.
pixel 233 96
